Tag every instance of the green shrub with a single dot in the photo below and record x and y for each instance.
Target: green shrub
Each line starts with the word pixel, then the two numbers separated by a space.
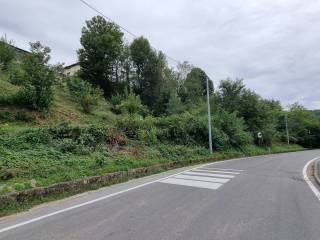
pixel 37 136
pixel 234 128
pixel 19 186
pixel 6 115
pixel 39 77
pixel 85 93
pixel 71 146
pixel 116 138
pixel 24 116
pixel 7 53
pixel 130 125
pixel 115 101
pixel 132 105
pixel 16 75
pixel 7 173
pixel 148 136
pixel 76 84
pixel 183 129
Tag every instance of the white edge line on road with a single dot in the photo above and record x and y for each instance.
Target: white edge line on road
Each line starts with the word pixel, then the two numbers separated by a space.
pixel 102 198
pixel 308 181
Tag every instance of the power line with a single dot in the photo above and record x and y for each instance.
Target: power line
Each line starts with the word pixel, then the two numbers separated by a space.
pixel 123 28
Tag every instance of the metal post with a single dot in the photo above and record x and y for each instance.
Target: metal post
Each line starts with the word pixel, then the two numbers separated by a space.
pixel 287 130
pixel 209 116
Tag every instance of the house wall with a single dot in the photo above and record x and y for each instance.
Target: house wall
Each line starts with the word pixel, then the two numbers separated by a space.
pixel 72 70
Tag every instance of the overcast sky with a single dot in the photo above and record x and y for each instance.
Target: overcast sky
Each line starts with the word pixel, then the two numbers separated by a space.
pixel 274 45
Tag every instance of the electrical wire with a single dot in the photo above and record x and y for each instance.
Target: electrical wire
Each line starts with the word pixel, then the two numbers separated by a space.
pixel 123 28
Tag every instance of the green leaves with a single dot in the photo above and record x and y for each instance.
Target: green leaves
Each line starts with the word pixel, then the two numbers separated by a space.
pixel 84 93
pixel 102 46
pixel 195 86
pixel 36 92
pixel 7 53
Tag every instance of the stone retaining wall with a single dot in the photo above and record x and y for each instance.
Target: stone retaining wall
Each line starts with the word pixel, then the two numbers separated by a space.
pixel 102 180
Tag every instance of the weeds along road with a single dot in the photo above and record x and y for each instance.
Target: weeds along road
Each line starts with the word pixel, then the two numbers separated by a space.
pixel 253 198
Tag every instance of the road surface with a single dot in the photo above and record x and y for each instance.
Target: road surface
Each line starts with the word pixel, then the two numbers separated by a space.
pixel 259 198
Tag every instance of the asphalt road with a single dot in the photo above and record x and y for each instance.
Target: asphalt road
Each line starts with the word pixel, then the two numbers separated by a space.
pixel 254 198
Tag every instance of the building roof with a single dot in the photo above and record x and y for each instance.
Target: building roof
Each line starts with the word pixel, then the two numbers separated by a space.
pixel 72 65
pixel 20 49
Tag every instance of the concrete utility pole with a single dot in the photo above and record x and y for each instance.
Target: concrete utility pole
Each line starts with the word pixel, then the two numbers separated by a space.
pixel 209 116
pixel 287 130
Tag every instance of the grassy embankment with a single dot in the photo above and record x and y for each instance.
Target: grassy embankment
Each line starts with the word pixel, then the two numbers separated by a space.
pixel 69 145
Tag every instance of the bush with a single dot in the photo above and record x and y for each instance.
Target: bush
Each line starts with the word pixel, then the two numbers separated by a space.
pixel 16 75
pixel 183 129
pixel 7 173
pixel 116 138
pixel 115 101
pixel 149 136
pixel 85 93
pixel 130 125
pixel 7 53
pixel 39 77
pixel 23 116
pixel 88 99
pixel 37 136
pixel 69 145
pixel 132 105
pixel 233 127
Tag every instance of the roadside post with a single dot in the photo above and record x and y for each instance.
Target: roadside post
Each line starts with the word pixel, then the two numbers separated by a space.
pixel 209 116
pixel 287 130
pixel 259 135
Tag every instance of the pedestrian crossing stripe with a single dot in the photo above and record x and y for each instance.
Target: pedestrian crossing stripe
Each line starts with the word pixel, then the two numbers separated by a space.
pixel 203 178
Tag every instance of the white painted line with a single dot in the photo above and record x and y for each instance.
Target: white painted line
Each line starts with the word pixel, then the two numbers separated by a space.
pixel 90 202
pixel 214 171
pixel 199 178
pixel 191 183
pixel 308 181
pixel 112 195
pixel 207 174
pixel 221 169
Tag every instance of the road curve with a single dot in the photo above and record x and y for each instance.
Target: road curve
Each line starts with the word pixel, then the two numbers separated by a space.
pixel 258 198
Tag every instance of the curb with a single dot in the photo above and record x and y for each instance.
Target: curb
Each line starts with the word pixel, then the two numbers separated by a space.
pixel 316 171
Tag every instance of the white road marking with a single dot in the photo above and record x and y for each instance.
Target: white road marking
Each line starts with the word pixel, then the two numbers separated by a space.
pixel 222 169
pixel 308 181
pixel 191 183
pixel 214 171
pixel 208 174
pixel 91 202
pixel 112 195
pixel 207 179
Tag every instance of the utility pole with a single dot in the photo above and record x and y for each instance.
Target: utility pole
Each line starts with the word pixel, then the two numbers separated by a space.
pixel 287 130
pixel 209 116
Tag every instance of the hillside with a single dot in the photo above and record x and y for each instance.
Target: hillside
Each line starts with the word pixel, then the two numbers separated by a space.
pixel 39 151
pixel 55 128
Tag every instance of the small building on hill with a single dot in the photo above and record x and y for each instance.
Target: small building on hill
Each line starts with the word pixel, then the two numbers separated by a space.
pixel 72 69
pixel 20 52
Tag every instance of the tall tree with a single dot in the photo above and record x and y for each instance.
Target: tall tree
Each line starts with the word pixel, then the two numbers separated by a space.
pixel 39 77
pixel 149 67
pixel 195 86
pixel 230 92
pixel 140 53
pixel 102 45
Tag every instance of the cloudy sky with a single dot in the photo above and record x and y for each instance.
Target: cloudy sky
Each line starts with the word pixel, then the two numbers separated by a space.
pixel 274 45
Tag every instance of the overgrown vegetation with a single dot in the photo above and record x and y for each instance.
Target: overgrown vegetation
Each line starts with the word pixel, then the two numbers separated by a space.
pixel 126 108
